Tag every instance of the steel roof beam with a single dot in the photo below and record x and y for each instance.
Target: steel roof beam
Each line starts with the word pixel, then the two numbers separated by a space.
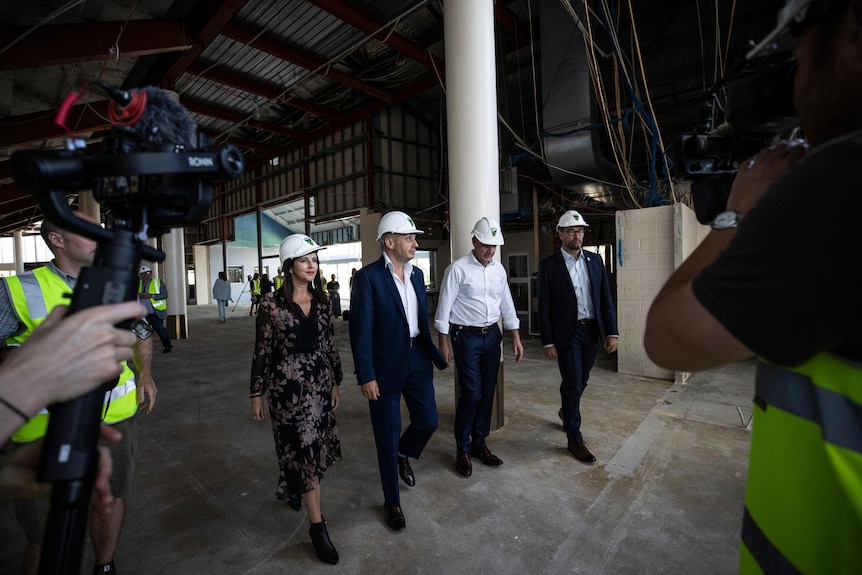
pixel 382 33
pixel 93 41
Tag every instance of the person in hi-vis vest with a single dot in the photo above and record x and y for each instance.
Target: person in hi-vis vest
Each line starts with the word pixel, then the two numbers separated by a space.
pixel 154 295
pixel 25 302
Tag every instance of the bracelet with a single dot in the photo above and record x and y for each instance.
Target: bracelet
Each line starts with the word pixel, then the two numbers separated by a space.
pixel 15 409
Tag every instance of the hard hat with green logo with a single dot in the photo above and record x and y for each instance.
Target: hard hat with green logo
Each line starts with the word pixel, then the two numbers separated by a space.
pixel 488 232
pixel 396 223
pixel 570 219
pixel 295 246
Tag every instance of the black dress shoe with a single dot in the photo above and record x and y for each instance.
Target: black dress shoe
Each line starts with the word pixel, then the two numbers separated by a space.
pixel 395 518
pixel 168 349
pixel 406 472
pixel 485 456
pixel 464 465
pixel 560 413
pixel 581 453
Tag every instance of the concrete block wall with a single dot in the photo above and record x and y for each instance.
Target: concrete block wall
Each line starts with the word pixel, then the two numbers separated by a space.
pixel 651 243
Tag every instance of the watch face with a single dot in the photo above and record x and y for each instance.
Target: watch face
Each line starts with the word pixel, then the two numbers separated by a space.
pixel 725 220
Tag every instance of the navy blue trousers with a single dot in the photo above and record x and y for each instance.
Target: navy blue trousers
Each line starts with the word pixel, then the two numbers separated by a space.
pixel 159 328
pixel 575 363
pixel 477 359
pixel 418 392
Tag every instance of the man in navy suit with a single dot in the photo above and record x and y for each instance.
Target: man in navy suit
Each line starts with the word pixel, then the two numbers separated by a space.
pixel 393 354
pixel 576 312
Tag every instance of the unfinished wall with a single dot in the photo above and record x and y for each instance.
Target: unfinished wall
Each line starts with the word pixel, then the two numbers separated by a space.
pixel 651 243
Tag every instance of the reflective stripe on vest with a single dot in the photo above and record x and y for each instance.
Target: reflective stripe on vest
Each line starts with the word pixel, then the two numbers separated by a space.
pixel 154 288
pixel 803 504
pixel 34 295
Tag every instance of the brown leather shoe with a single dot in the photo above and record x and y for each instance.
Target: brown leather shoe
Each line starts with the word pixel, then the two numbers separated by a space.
pixel 581 453
pixel 395 517
pixel 485 456
pixel 464 465
pixel 406 472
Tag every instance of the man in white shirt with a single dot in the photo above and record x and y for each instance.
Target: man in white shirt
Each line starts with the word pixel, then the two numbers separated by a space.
pixel 474 294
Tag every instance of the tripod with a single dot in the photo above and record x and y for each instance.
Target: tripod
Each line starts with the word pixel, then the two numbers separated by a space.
pixel 239 297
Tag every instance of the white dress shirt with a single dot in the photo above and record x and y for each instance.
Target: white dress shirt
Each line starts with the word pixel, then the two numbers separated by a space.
pixel 475 295
pixel 408 295
pixel 581 281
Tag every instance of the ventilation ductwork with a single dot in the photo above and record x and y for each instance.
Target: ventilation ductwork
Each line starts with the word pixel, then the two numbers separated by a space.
pixel 571 140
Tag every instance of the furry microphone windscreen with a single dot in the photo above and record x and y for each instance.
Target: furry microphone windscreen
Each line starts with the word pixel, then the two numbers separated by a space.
pixel 166 121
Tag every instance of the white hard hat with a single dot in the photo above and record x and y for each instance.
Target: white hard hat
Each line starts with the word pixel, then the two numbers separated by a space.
pixel 571 218
pixel 794 11
pixel 295 246
pixel 145 269
pixel 488 232
pixel 396 223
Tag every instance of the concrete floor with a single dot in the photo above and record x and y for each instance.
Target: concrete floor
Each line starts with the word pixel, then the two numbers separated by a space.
pixel 665 496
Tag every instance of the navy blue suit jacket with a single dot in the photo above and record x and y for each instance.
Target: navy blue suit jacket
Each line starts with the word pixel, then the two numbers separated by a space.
pixel 558 306
pixel 379 334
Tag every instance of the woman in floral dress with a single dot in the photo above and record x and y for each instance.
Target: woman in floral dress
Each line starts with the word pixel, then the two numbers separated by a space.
pixel 297 365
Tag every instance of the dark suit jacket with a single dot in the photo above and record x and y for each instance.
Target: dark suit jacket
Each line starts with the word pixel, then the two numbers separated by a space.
pixel 378 328
pixel 558 306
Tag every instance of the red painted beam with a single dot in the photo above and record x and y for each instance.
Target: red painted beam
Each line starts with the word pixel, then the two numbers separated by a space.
pixel 93 41
pixel 306 61
pixel 221 14
pixel 38 126
pixel 386 35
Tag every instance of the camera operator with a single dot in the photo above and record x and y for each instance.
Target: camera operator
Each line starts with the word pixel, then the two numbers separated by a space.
pixel 24 302
pixel 783 286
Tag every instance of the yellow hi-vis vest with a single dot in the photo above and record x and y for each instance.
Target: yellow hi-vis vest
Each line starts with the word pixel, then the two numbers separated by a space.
pixel 279 281
pixel 34 295
pixel 154 289
pixel 803 503
pixel 255 287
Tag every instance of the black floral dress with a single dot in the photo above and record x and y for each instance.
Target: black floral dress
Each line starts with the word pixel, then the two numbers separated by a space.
pixel 296 363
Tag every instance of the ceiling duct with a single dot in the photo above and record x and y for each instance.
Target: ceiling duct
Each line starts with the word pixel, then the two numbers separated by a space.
pixel 572 133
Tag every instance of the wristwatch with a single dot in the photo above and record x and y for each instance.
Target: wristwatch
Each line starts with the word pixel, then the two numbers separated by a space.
pixel 726 220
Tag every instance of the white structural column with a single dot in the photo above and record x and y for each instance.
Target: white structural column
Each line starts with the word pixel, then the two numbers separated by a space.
pixel 177 283
pixel 471 120
pixel 18 251
pixel 87 204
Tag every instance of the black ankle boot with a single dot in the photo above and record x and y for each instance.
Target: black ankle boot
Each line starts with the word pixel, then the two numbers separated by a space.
pixel 322 544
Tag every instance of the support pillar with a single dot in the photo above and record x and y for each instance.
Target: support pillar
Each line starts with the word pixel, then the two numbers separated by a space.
pixel 177 283
pixel 471 107
pixel 18 248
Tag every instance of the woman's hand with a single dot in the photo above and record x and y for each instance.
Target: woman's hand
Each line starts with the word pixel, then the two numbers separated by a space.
pixel 257 408
pixel 336 400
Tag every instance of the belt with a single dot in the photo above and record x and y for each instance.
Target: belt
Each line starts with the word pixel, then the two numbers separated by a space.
pixel 472 329
pixel 587 321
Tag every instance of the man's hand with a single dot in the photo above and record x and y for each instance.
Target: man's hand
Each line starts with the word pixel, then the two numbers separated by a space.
pixel 517 346
pixel 443 344
pixel 758 173
pixel 66 357
pixel 611 343
pixel 550 352
pixel 370 390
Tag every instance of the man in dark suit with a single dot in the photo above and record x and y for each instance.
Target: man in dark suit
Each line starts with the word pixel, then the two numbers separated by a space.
pixel 576 312
pixel 393 354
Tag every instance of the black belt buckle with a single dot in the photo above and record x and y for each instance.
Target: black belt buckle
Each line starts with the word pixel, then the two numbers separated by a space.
pixel 586 321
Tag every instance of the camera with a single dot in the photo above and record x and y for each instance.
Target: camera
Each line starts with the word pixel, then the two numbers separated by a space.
pixel 758 108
